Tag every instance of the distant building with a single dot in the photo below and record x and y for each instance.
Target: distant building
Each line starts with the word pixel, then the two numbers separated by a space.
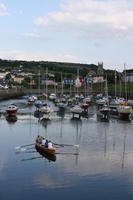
pixel 100 69
pixel 18 79
pixel 68 81
pixel 3 75
pixel 89 79
pixel 129 76
pixel 48 76
pixel 48 82
pixel 32 82
pixel 82 81
pixel 98 79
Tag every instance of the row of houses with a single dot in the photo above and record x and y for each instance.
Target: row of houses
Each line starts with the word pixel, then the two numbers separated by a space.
pixel 49 79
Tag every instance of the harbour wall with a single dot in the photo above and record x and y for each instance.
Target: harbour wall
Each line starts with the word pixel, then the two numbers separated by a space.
pixel 11 94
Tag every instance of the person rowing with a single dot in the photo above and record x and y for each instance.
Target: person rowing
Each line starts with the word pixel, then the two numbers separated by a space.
pixel 50 145
pixel 43 141
pixel 39 139
pixel 47 144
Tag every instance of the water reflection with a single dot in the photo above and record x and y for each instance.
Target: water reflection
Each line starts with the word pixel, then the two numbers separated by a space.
pixel 38 114
pixel 45 122
pixel 61 113
pixel 77 124
pixel 124 145
pixel 105 148
pixel 11 119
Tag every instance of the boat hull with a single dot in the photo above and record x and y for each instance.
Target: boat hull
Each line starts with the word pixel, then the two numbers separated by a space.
pixel 85 106
pixel 125 112
pixel 11 112
pixel 50 157
pixel 125 116
pixel 50 151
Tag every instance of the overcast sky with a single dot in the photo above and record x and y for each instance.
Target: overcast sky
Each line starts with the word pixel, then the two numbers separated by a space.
pixel 85 31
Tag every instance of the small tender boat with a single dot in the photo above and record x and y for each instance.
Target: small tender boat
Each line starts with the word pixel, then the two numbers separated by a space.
pixel 31 100
pixel 12 110
pixel 69 102
pixel 125 112
pixel 41 147
pixel 52 97
pixel 76 109
pixel 105 110
pixel 38 104
pixel 101 102
pixel 45 109
pixel 11 119
pixel 103 113
pixel 84 106
pixel 88 100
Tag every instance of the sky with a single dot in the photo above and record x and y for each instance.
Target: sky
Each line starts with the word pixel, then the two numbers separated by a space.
pixel 81 31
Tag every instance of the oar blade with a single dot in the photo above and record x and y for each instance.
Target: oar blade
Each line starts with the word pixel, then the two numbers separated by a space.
pixel 19 149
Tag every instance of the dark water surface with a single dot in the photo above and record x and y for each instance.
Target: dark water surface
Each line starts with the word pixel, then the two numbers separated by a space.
pixel 102 170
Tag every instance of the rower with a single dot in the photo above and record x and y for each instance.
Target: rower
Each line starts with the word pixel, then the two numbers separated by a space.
pixel 50 145
pixel 39 139
pixel 43 141
pixel 46 143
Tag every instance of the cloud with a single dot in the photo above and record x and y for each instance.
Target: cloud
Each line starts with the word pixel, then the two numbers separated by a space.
pixel 93 18
pixel 31 35
pixel 3 10
pixel 19 55
pixel 34 35
pixel 48 181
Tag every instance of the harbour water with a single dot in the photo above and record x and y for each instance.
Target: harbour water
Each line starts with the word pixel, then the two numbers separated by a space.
pixel 101 168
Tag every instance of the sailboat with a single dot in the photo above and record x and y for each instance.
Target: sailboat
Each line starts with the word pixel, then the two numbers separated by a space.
pixel 12 110
pixel 52 96
pixel 104 111
pixel 31 98
pixel 62 102
pixel 125 111
pixel 77 110
pixel 114 103
pixel 38 103
pixel 45 108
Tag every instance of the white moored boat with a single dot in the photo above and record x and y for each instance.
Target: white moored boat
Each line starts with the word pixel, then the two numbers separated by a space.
pixel 76 109
pixel 52 97
pixel 45 109
pixel 12 110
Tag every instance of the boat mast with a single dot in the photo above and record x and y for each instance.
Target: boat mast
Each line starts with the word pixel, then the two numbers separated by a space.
pixel 85 88
pixel 46 83
pixel 125 82
pixel 106 88
pixel 31 85
pixel 115 83
pixel 120 84
pixel 70 89
pixel 61 85
pixel 55 88
pixel 77 79
pixel 39 82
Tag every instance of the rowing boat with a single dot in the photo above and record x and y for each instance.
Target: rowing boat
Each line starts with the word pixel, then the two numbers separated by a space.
pixel 41 147
pixel 50 157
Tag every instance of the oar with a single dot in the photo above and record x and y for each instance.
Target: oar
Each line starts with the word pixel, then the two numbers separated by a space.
pixel 65 153
pixel 31 158
pixel 68 145
pixel 20 150
pixel 26 145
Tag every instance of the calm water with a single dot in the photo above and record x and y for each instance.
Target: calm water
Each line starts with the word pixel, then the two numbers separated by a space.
pixel 102 170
